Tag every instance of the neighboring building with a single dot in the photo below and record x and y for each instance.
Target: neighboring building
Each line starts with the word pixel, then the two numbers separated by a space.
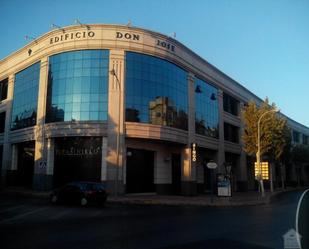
pixel 120 105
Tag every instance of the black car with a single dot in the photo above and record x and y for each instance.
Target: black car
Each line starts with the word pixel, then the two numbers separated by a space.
pixel 81 193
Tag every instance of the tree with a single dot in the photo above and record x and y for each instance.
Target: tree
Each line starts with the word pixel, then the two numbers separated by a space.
pixel 272 130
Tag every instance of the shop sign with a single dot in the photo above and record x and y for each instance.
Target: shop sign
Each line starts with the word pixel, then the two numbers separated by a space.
pixel 265 170
pixel 224 185
pixel 72 151
pixel 193 152
pixel 212 165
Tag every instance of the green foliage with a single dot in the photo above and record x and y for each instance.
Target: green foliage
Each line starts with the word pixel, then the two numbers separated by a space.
pixel 273 130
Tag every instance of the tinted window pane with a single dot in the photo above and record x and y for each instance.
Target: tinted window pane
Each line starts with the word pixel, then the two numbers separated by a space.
pixel 26 87
pixel 156 91
pixel 2 122
pixel 231 133
pixel 75 80
pixel 230 104
pixel 3 89
pixel 206 109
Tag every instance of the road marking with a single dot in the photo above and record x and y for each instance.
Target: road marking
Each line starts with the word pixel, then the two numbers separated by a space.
pixel 23 215
pixel 297 213
pixel 95 214
pixel 11 208
pixel 59 215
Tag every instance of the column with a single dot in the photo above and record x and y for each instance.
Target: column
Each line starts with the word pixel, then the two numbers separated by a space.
pixel 243 175
pixel 188 172
pixel 103 160
pixel 41 179
pixel 8 169
pixel 116 132
pixel 221 150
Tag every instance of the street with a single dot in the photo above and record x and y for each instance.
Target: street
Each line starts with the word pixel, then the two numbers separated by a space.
pixel 34 223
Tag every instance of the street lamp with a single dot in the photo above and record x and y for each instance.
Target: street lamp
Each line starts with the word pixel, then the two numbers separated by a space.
pixel 113 72
pixel 258 154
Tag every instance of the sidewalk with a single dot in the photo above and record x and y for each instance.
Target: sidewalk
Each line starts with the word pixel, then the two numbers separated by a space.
pixel 249 198
pixel 238 199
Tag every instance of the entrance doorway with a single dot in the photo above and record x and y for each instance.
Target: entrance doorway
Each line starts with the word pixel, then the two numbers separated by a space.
pixel 77 159
pixel 140 171
pixel 176 174
pixel 25 164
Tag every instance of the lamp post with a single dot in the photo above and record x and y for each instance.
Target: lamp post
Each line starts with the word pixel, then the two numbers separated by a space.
pixel 113 72
pixel 258 154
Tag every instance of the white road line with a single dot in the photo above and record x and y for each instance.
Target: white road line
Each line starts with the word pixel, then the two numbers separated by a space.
pixel 59 215
pixel 23 215
pixel 297 212
pixel 95 214
pixel 11 208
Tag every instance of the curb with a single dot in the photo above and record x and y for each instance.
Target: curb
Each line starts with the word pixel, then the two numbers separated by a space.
pixel 186 201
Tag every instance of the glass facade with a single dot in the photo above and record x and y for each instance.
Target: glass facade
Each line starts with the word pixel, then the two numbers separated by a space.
pixel 78 86
pixel 206 109
pixel 156 91
pixel 26 87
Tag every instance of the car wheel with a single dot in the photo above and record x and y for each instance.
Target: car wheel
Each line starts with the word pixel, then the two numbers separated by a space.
pixel 83 201
pixel 54 199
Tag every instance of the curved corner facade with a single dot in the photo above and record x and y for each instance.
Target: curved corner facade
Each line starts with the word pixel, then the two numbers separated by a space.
pixel 126 106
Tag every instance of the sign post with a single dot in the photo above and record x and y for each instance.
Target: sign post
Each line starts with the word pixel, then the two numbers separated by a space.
pixel 212 166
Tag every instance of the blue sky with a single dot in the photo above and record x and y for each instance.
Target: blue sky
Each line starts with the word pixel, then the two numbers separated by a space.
pixel 262 44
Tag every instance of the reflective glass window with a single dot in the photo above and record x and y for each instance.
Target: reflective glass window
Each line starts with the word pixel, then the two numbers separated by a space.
pixel 156 91
pixel 206 109
pixel 26 87
pixel 78 86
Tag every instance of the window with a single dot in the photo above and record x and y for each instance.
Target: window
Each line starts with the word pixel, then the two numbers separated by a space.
pixel 206 109
pixel 4 89
pixel 26 87
pixel 156 91
pixel 230 104
pixel 78 86
pixel 2 122
pixel 305 140
pixel 296 136
pixel 231 133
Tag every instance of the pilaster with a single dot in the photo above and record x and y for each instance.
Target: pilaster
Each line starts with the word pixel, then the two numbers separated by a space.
pixel 116 132
pixel 221 149
pixel 243 174
pixel 42 178
pixel 189 171
pixel 7 150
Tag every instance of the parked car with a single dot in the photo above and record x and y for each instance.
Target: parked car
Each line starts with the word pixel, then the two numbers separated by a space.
pixel 82 193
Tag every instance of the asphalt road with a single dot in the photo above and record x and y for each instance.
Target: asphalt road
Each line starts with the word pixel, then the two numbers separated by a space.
pixel 33 223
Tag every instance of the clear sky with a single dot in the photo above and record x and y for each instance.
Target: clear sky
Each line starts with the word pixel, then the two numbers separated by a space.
pixel 262 44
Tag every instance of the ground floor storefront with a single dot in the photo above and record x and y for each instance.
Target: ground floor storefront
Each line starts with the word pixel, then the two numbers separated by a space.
pixel 144 166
